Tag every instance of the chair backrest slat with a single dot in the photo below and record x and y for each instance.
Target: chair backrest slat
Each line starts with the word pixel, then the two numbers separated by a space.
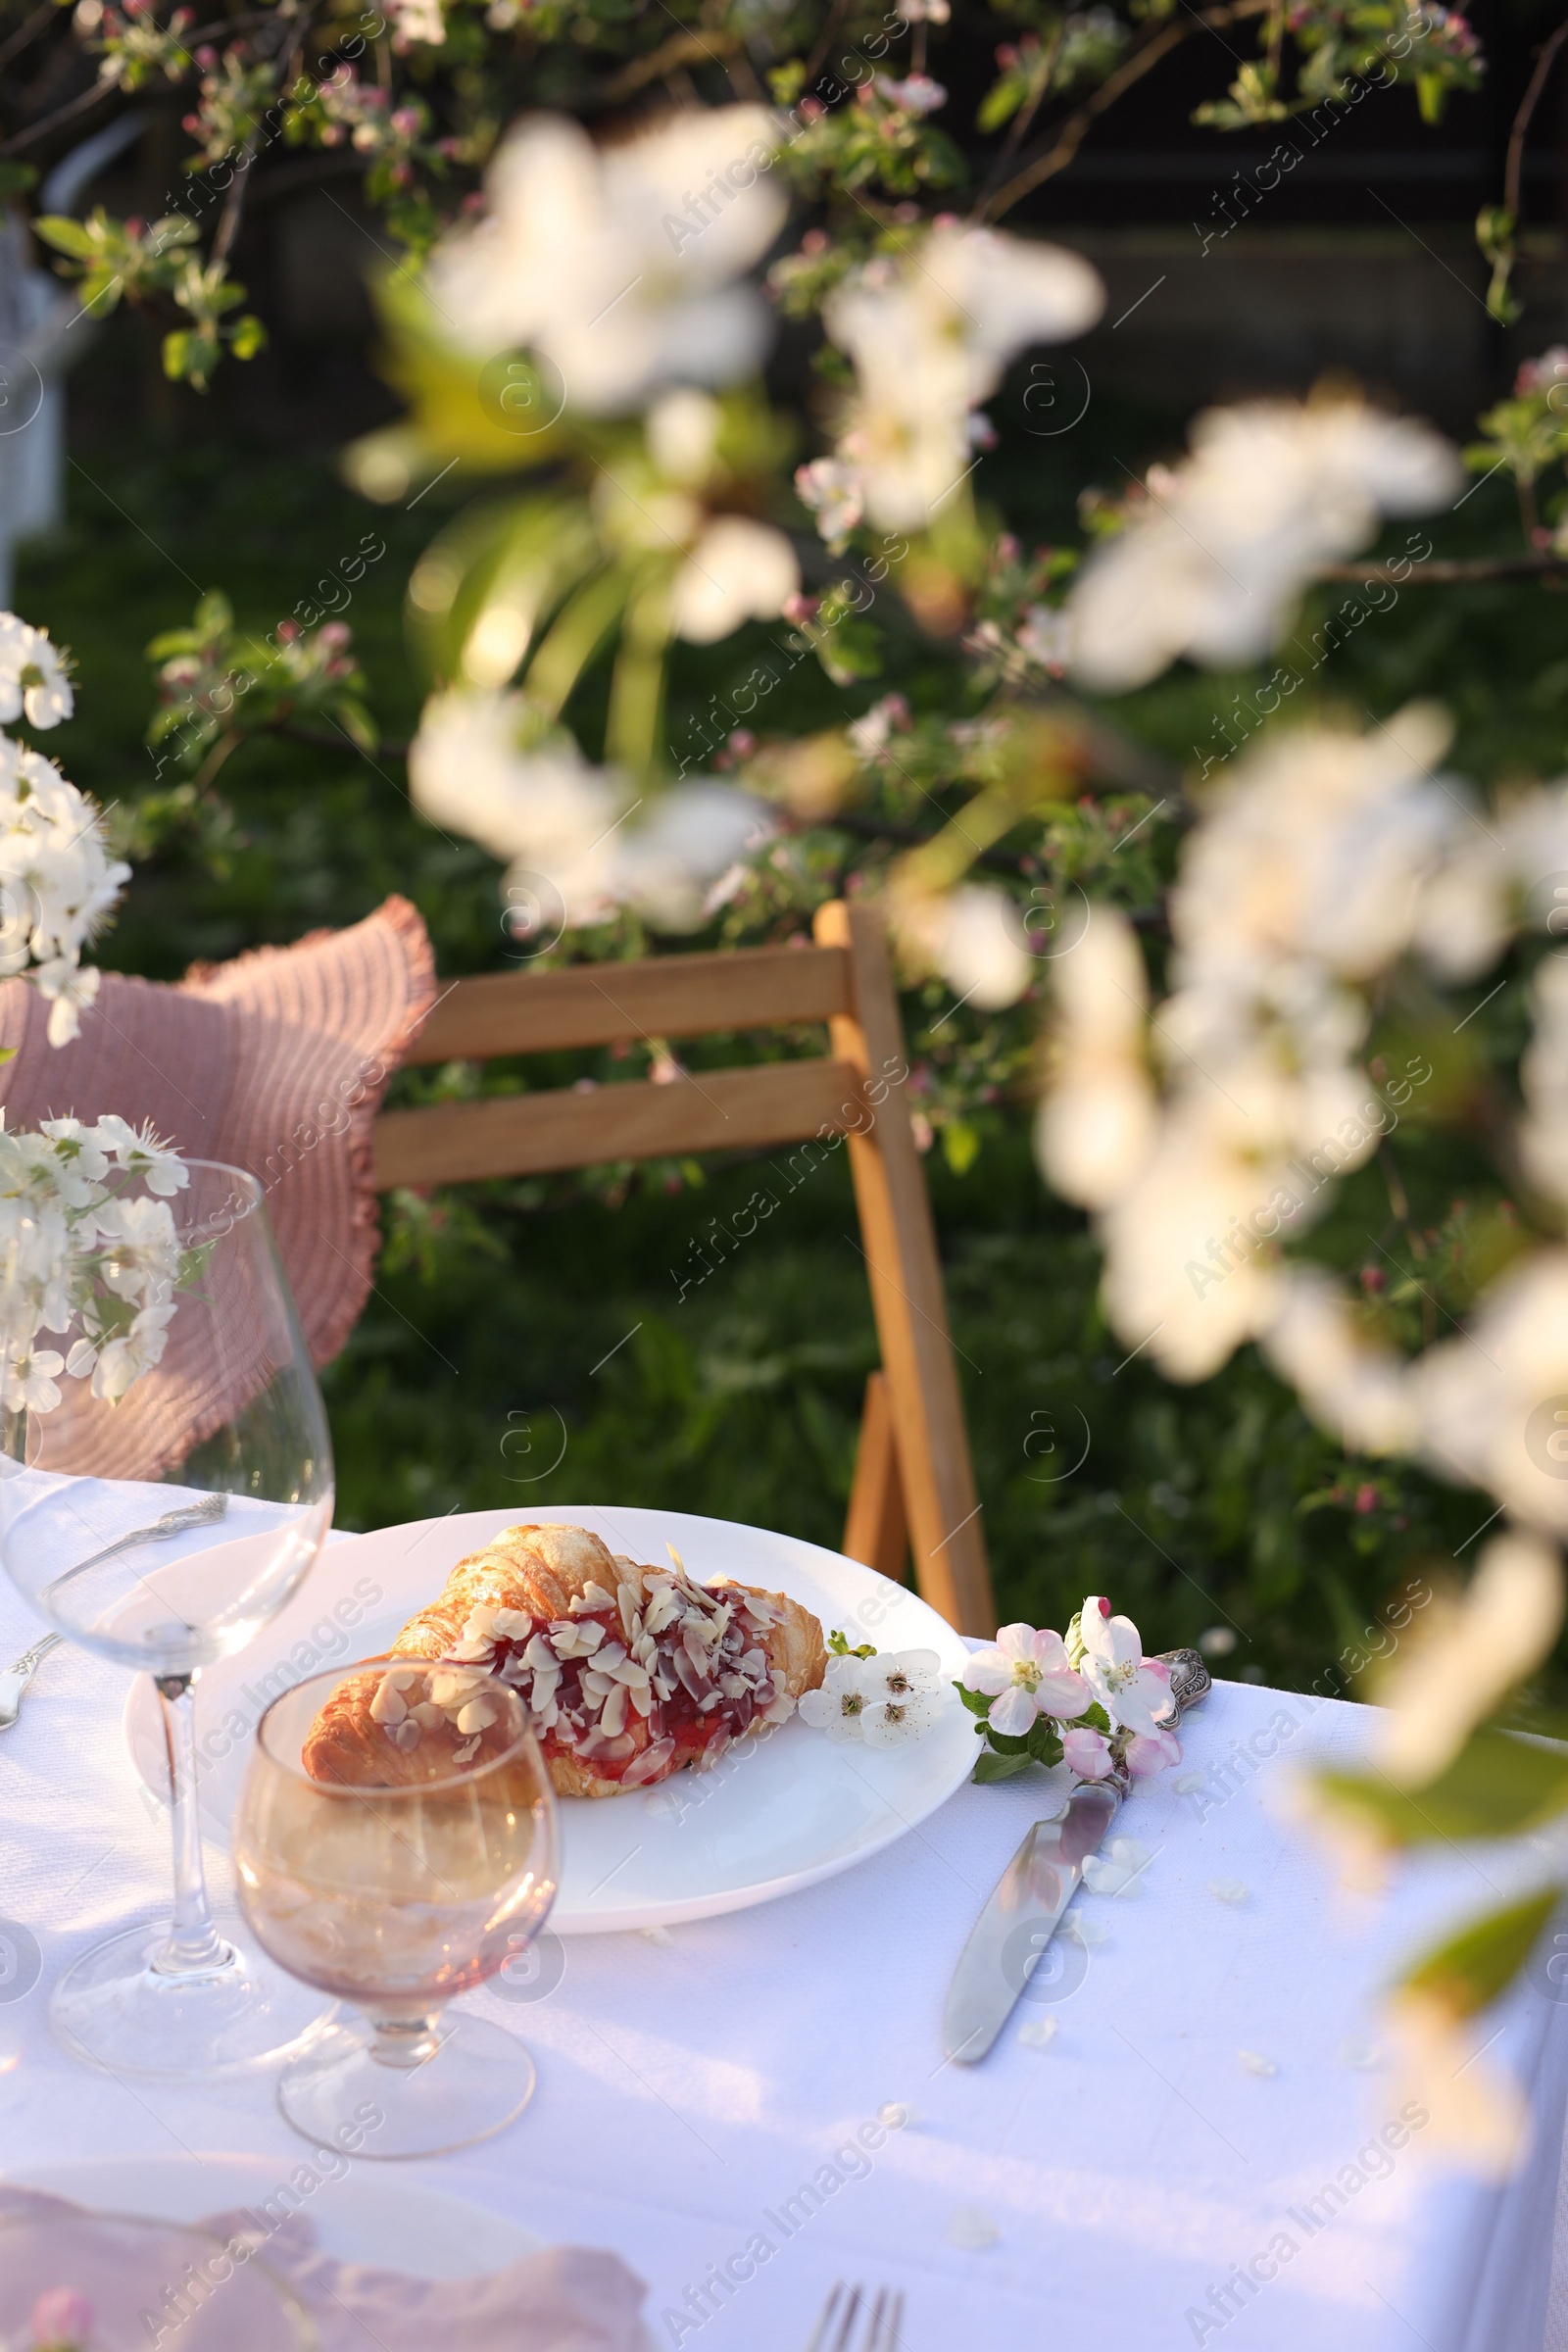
pixel 599 1003
pixel 537 1134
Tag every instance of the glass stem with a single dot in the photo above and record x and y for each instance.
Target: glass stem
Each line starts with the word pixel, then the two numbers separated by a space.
pixel 194 1946
pixel 406 2042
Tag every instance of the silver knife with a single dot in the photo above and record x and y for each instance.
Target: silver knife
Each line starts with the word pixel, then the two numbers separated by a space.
pixel 1026 1908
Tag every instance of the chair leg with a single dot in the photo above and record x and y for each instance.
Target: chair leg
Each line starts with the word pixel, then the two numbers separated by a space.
pixel 877 1530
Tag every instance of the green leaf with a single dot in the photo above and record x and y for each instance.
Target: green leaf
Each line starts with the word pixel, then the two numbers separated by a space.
pixel 1473 1967
pixel 16 178
pixel 66 235
pixel 360 729
pixel 248 336
pixel 1045 1743
pixel 975 1701
pixel 992 1767
pixel 1497 1785
pixel 961 1145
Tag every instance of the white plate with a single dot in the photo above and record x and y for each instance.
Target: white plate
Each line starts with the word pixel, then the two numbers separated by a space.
pixel 795 1810
pixel 388 2224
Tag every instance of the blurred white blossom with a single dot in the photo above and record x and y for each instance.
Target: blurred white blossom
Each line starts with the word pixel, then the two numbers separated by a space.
pixel 584 830
pixel 682 430
pixel 619 263
pixel 1478 2117
pixel 975 936
pixel 1097 1123
pixel 1363 1393
pixel 739 571
pixel 930 338
pixel 1508 871
pixel 1213 564
pixel 1465 1656
pixel 1488 1399
pixel 1544 1078
pixel 1303 876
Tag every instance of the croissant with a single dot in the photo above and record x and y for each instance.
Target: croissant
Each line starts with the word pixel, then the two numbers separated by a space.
pixel 630 1673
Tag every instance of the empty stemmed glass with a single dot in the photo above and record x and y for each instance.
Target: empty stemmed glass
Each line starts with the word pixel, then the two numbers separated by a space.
pixel 160 1507
pixel 395 1844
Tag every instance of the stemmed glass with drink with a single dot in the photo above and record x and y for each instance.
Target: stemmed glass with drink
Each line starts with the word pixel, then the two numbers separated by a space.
pixel 166 1483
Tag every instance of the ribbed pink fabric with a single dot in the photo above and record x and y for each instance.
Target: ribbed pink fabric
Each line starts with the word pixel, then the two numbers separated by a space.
pixel 276 1062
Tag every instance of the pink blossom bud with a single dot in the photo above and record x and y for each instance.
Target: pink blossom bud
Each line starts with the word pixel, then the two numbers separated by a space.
pixel 335 632
pixel 62 2317
pixel 1148 1755
pixel 1087 1753
pixel 1366 1498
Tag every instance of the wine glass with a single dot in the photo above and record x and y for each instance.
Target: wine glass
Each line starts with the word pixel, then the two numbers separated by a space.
pixel 395 1844
pixel 164 1530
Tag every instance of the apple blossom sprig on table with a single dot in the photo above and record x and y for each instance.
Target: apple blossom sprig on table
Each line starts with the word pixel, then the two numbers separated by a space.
pixel 1091 1701
pixel 61 2321
pixel 57 881
pixel 880 1698
pixel 80 1255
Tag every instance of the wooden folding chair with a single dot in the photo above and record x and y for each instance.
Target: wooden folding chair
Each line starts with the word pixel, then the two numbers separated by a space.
pixel 914 1481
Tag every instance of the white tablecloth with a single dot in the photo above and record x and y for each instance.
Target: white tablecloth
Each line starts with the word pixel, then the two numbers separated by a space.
pixel 702 2092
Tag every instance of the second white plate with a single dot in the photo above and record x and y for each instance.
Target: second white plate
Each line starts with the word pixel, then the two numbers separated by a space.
pixel 797 1809
pixel 388 2225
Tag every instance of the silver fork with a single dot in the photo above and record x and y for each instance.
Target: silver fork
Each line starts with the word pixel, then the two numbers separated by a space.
pixel 851 2322
pixel 16 1678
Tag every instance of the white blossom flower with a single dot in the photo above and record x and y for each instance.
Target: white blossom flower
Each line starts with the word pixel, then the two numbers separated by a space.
pixel 930 340
pixel 1215 565
pixel 29 1376
pixel 34 680
pixel 619 265
pixel 1488 1404
pixel 1363 1393
pixel 683 429
pixel 1134 1691
pixel 918 95
pixel 68 991
pixel 738 570
pixel 839 1706
pixel 1097 1121
pixel 1025 1674
pixel 559 819
pixel 834 492
pixel 1120 1869
pixel 1045 634
pixel 1466 1654
pixel 975 936
pixel 125 1359
pixel 140 1249
pixel 418 20
pixel 1479 2118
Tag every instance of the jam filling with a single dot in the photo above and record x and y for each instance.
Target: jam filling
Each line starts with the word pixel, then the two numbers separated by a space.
pixel 633 1684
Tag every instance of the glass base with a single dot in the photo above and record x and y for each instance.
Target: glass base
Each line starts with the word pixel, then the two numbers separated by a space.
pixel 462 2080
pixel 114 2009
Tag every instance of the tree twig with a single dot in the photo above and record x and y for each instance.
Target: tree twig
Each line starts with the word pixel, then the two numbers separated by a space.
pixel 1071 133
pixel 62 114
pixel 1513 174
pixel 28 30
pixel 681 49
pixel 1455 572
